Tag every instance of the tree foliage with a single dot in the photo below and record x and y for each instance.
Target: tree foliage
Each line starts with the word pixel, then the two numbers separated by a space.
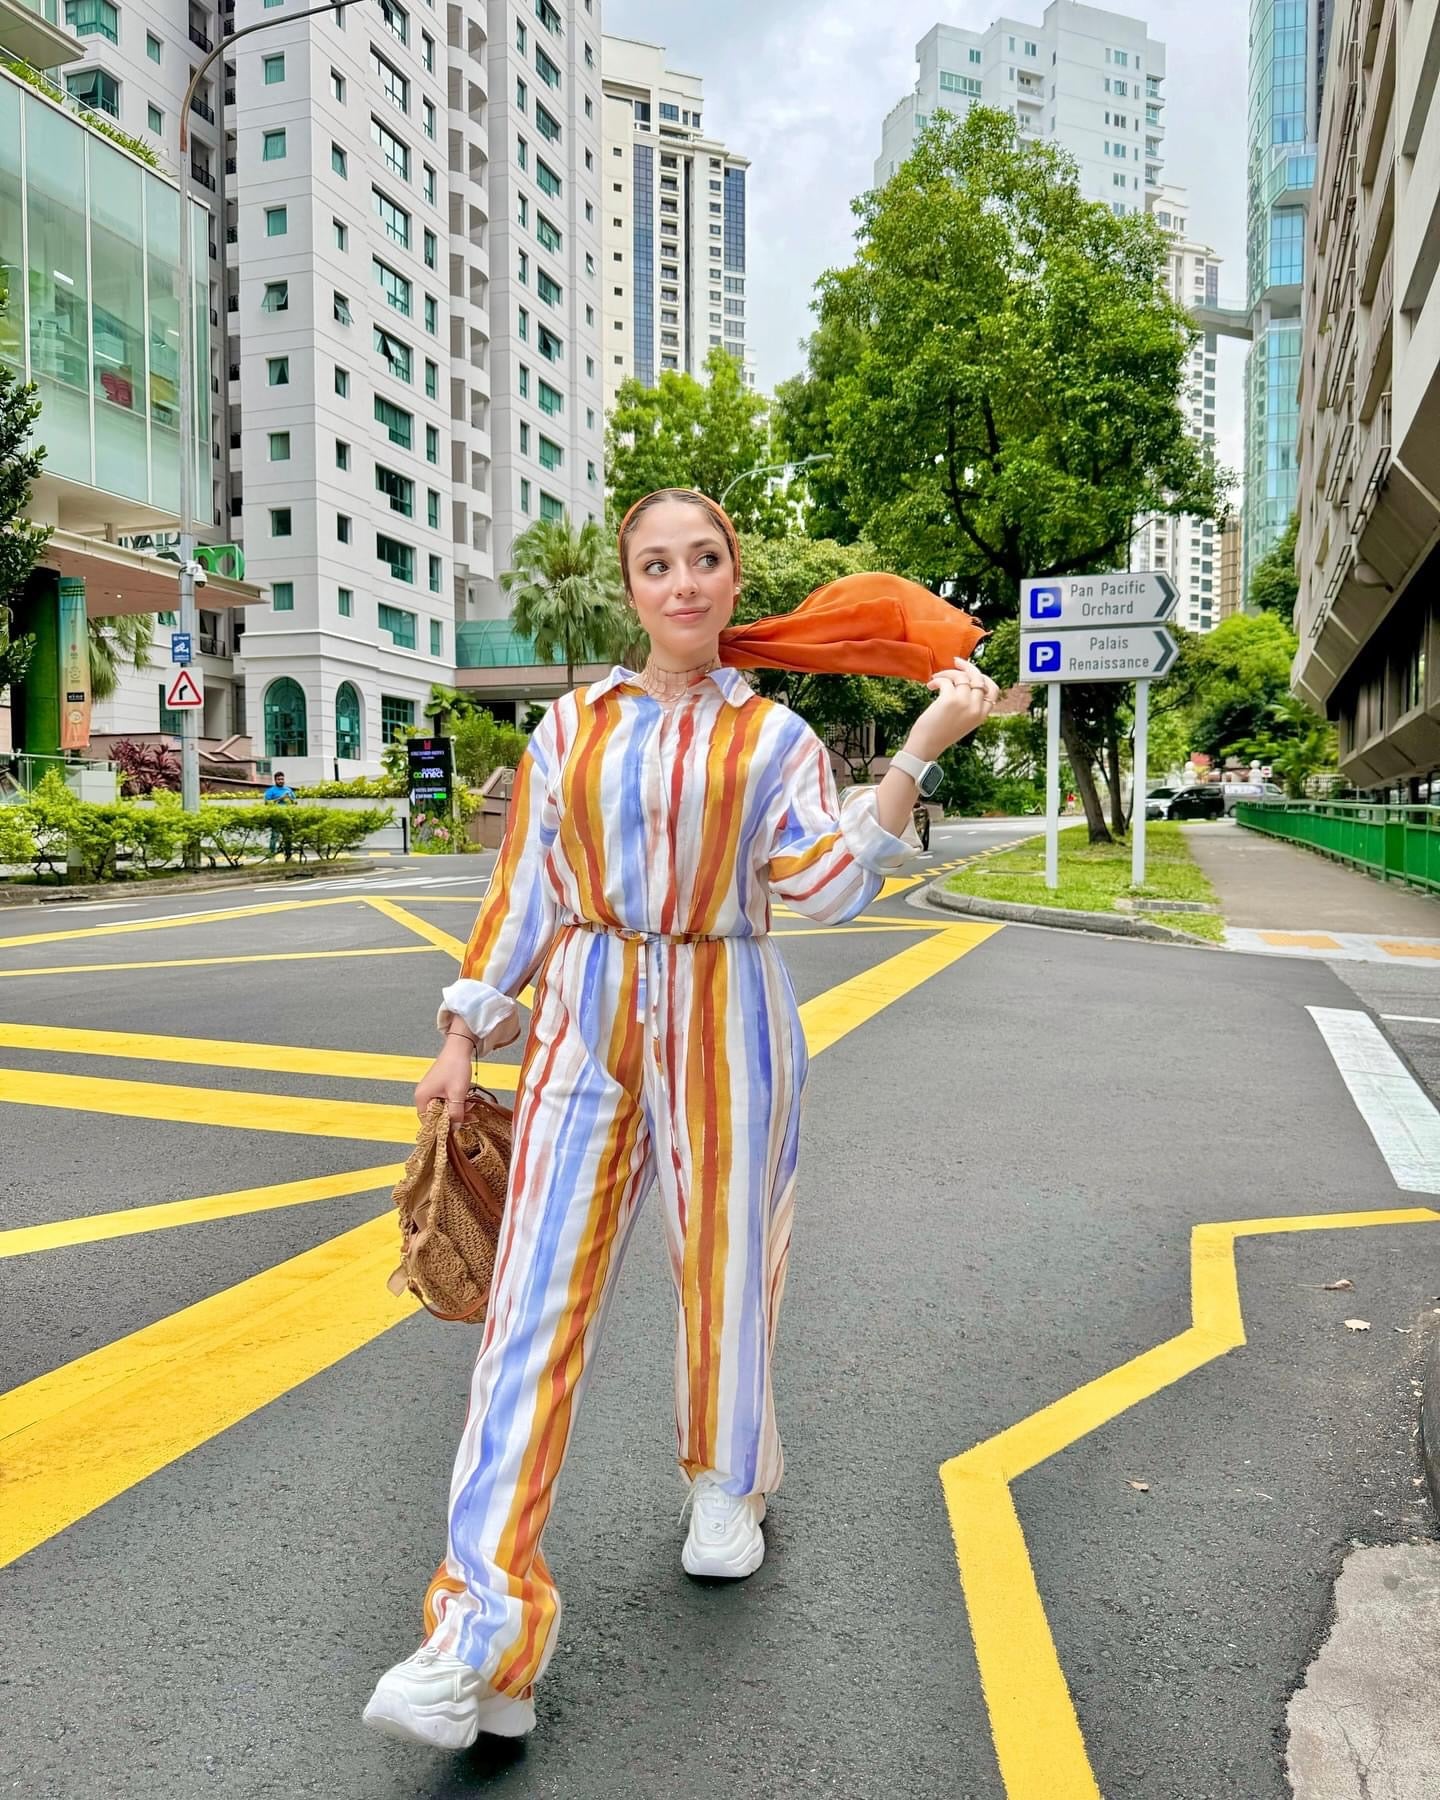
pixel 115 643
pixel 1274 582
pixel 801 422
pixel 709 435
pixel 564 590
pixel 20 541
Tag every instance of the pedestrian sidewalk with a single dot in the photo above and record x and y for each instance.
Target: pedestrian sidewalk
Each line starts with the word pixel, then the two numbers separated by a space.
pixel 1282 901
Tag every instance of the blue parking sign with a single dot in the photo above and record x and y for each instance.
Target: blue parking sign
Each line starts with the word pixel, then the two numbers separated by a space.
pixel 1042 656
pixel 180 647
pixel 1046 602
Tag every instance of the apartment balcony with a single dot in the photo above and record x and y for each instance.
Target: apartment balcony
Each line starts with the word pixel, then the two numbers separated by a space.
pixel 1373 462
pixel 203 108
pixel 1379 223
pixel 34 32
pixel 199 40
pixel 1377 340
pixel 201 176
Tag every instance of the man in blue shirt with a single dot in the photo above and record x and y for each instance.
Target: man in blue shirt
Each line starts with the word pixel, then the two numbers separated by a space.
pixel 279 794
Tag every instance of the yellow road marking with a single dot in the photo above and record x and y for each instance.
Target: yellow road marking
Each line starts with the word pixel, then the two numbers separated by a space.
pixel 1038 1741
pixel 74 1439
pixel 1299 940
pixel 829 1016
pixel 173 923
pixel 212 962
pixel 93 1228
pixel 432 934
pixel 360 1119
pixel 1402 949
pixel 219 1053
pixel 898 884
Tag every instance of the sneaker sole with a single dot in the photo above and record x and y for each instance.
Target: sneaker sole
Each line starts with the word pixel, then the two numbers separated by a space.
pixel 449 1725
pixel 706 1566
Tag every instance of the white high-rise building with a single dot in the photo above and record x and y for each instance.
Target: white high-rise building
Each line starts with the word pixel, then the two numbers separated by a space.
pixel 405 304
pixel 1188 549
pixel 1092 81
pixel 674 224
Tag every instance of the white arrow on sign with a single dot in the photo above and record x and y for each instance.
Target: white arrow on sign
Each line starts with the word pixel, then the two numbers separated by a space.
pixel 1130 653
pixel 185 690
pixel 1071 602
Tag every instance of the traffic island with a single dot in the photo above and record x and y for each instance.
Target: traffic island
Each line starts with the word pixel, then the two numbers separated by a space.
pixel 1094 892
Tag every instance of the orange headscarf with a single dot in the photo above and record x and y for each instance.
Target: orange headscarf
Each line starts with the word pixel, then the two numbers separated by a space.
pixel 870 624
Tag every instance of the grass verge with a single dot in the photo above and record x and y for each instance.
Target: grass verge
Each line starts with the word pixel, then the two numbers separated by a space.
pixel 1094 876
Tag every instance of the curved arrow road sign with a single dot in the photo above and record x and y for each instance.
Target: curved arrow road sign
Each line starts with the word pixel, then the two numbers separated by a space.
pixel 1129 653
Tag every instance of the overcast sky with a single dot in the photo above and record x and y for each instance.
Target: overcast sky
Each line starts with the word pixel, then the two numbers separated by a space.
pixel 801 88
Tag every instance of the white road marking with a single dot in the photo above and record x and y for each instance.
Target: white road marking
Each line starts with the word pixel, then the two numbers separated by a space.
pixel 1398 1112
pixel 1408 1019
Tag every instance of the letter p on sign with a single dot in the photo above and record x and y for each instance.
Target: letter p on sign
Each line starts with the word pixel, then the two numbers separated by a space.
pixel 1044 656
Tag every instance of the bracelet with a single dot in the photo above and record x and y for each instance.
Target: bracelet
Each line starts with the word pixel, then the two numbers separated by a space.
pixel 451 1032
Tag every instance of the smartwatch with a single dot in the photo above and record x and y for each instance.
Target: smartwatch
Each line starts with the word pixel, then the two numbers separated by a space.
pixel 927 776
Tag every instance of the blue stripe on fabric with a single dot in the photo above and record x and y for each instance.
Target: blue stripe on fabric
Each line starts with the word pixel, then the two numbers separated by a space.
pixel 631 837
pixel 498 1449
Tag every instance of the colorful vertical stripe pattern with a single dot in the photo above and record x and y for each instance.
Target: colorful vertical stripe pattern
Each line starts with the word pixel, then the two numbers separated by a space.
pixel 665 1050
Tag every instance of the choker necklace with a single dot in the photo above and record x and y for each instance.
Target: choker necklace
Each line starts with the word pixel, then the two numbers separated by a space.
pixel 673 684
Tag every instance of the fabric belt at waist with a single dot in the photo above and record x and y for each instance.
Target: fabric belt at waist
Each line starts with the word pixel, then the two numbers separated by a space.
pixel 631 936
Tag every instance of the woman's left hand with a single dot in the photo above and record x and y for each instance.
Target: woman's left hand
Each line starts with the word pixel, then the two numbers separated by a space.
pixel 963 700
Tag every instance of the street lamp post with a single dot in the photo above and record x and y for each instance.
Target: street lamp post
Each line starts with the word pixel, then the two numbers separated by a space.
pixel 189 400
pixel 777 469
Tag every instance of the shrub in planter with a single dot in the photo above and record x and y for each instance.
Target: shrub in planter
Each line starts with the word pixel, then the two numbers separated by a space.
pixel 145 768
pixel 17 836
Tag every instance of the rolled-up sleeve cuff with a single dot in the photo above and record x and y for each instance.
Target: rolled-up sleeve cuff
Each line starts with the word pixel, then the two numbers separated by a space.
pixel 866 838
pixel 483 1009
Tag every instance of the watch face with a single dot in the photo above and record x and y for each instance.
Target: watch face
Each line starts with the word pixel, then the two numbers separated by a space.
pixel 931 781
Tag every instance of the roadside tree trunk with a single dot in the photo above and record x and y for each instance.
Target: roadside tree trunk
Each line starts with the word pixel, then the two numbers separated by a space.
pixel 1082 764
pixel 1114 776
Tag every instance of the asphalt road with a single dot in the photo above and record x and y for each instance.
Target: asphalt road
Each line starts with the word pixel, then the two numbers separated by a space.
pixel 1005 1155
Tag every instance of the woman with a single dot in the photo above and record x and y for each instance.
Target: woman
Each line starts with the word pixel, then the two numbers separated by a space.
pixel 655 816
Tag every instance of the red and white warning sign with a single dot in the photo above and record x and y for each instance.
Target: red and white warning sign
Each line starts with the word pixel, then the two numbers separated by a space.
pixel 185 690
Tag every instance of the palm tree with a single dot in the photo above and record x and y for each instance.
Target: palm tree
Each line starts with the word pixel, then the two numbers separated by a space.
pixel 444 704
pixel 564 588
pixel 114 641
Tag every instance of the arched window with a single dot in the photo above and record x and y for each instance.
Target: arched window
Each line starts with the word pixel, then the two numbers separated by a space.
pixel 347 722
pixel 285 728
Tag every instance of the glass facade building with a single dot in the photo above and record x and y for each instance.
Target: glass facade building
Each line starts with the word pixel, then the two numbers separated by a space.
pixel 90 302
pixel 644 249
pixel 1285 39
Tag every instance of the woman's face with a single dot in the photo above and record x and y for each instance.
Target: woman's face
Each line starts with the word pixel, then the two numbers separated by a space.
pixel 682 580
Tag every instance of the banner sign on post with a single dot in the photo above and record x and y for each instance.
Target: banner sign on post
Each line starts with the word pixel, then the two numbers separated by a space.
pixel 432 772
pixel 74 666
pixel 1127 654
pixel 180 645
pixel 1059 602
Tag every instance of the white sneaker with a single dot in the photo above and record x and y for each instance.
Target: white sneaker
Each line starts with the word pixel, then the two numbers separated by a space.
pixel 725 1542
pixel 434 1698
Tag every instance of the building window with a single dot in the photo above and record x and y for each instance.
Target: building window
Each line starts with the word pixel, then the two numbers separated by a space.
pixel 432 380
pixel 342 454
pixel 551 455
pixel 340 306
pixel 395 154
pixel 277 297
pixel 339 162
pixel 432 509
pixel 427 51
pixel 152 46
pixel 524 438
pixel 398 489
pixel 548 72
pixel 432 250
pixel 394 218
pixel 342 527
pixel 347 722
pixel 337 86
pixel 551 508
pixel 277 371
pixel 551 347
pixel 437 630
pixel 401 560
pixel 399 424
pixel 394 85
pixel 92 18
pixel 274 67
pixel 524 494
pixel 282 596
pixel 524 381
pixel 546 125
pixel 521 36
pixel 431 188
pixel 279 521
pixel 346 599
pixel 522 153
pixel 548 235
pixel 277 221
pixel 155 119
pixel 272 146
pixel 285 723
pixel 437 579
pixel 549 16
pixel 398 357
pixel 427 119
pixel 522 325
pixel 397 20
pixel 279 446
pixel 552 401
pixel 432 315
pixel 397 717
pixel 549 289
pixel 547 179
pixel 393 285
pixel 432 443
pixel 342 383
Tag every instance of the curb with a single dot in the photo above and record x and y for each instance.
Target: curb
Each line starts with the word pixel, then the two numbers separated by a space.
pixel 1062 918
pixel 195 884
pixel 1430 1421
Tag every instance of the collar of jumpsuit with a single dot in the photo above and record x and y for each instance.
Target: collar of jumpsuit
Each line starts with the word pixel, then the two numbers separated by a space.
pixel 731 683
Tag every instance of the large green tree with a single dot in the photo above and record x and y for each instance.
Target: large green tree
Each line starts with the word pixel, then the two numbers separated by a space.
pixel 1274 582
pixel 564 589
pixel 709 435
pixel 1012 409
pixel 801 421
pixel 20 541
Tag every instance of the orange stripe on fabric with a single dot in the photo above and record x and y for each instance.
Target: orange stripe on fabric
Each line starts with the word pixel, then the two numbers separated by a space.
pixel 783 867
pixel 490 920
pixel 582 828
pixel 729 750
pixel 541 1465
pixel 707 1226
pixel 684 740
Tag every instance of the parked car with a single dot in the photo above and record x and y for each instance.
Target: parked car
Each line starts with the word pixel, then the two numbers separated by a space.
pixel 1157 802
pixel 1206 800
pixel 1236 791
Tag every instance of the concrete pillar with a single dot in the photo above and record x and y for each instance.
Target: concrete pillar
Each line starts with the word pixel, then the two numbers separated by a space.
pixel 35 704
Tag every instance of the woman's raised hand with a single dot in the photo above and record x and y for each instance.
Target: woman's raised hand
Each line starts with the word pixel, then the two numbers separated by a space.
pixel 964 697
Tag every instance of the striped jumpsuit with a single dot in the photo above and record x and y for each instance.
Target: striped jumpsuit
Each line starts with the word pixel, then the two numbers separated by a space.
pixel 634 886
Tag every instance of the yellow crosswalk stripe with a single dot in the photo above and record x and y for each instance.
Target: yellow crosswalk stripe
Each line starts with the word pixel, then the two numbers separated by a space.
pixel 212 962
pixel 173 922
pixel 432 934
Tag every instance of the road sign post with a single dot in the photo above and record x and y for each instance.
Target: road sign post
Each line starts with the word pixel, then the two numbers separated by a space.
pixel 1102 627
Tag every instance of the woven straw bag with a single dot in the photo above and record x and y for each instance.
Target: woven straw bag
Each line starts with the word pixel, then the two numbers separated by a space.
pixel 450 1201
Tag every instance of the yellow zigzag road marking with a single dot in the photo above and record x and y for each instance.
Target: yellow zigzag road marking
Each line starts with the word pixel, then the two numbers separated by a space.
pixel 1038 1741
pixel 73 1440
pixel 432 934
pixel 26 1240
pixel 172 922
pixel 210 962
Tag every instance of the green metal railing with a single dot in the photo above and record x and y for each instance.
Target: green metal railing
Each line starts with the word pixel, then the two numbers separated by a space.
pixel 1395 843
